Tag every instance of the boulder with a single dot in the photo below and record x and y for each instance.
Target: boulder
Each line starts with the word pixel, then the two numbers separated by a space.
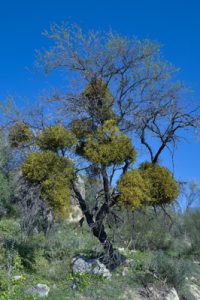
pixel 76 213
pixel 172 295
pixel 81 264
pixel 40 290
pixel 17 277
pixel 125 271
pixel 158 292
pixel 195 291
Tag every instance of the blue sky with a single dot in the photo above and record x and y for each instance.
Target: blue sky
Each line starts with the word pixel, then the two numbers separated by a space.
pixel 175 24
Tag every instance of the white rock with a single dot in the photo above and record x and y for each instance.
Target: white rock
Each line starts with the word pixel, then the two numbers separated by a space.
pixel 195 291
pixel 172 295
pixel 40 290
pixel 92 266
pixel 129 263
pixel 125 271
pixel 121 249
pixel 17 277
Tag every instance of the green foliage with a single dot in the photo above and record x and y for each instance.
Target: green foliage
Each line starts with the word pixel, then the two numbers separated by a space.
pixel 82 280
pixel 54 174
pixel 152 230
pixel 9 228
pixel 99 100
pixel 44 165
pixel 20 135
pixel 4 151
pixel 5 189
pixel 133 189
pixel 48 260
pixel 108 145
pixel 192 229
pixel 55 138
pixel 6 178
pixel 172 270
pixel 57 193
pixel 15 289
pixel 81 128
pixel 162 186
pixel 4 284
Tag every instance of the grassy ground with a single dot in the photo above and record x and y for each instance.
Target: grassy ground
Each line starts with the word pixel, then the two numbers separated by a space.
pixel 48 261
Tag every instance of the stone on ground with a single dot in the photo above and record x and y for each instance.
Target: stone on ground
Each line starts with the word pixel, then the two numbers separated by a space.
pixel 40 290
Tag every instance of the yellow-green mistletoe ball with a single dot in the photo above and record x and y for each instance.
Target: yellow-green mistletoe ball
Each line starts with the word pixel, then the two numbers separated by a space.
pixel 134 191
pixel 54 174
pixel 56 138
pixel 162 186
pixel 108 145
pixel 20 135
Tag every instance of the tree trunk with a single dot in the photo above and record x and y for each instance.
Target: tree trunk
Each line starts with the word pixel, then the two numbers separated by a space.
pixel 111 257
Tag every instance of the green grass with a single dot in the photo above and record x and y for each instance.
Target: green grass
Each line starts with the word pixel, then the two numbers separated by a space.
pixel 48 261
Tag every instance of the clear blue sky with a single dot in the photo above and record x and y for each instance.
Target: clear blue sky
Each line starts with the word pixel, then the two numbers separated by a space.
pixel 174 23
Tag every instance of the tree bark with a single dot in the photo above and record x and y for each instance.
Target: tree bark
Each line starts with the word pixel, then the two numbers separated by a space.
pixel 111 257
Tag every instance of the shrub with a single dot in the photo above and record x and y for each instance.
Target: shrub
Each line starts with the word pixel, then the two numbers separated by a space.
pixel 5 193
pixel 192 229
pixel 171 270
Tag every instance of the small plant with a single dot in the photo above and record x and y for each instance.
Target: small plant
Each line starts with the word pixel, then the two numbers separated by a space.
pixel 81 280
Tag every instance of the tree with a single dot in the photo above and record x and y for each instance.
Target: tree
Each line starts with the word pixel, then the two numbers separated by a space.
pixel 122 90
pixel 107 147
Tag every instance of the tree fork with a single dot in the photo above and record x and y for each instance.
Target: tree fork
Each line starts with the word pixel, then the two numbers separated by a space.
pixel 111 257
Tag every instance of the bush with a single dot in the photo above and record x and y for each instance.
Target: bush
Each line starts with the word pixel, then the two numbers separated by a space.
pixel 172 270
pixel 192 228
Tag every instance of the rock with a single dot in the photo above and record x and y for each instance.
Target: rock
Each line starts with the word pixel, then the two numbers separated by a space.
pixel 17 277
pixel 195 291
pixel 121 249
pixel 151 292
pixel 40 290
pixel 92 266
pixel 172 295
pixel 81 186
pixel 131 294
pixel 75 214
pixel 158 292
pixel 125 271
pixel 129 263
pixel 73 286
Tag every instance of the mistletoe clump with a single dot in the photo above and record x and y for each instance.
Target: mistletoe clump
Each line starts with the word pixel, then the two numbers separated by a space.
pixel 20 135
pixel 54 174
pixel 108 145
pixel 134 191
pixel 56 138
pixel 162 186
